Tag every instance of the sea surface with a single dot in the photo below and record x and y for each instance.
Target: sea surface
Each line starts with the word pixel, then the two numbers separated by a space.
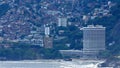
pixel 50 64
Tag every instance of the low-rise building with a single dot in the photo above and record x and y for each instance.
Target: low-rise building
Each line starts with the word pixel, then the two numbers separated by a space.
pixel 48 42
pixel 71 53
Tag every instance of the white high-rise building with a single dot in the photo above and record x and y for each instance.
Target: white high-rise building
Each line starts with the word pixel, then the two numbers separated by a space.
pixel 47 31
pixel 93 40
pixel 48 40
pixel 1 28
pixel 62 21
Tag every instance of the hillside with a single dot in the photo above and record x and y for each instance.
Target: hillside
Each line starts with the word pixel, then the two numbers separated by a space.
pixel 19 17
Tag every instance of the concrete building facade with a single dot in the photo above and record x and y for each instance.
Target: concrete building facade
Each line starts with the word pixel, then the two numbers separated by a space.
pixel 71 53
pixel 93 40
pixel 47 31
pixel 48 42
pixel 62 21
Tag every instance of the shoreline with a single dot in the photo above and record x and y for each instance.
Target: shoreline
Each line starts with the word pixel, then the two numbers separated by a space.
pixel 57 59
pixel 76 63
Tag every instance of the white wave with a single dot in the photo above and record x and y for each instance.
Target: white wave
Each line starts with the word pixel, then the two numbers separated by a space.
pixel 53 64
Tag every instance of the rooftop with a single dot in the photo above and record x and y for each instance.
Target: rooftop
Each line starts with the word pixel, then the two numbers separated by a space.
pixel 94 26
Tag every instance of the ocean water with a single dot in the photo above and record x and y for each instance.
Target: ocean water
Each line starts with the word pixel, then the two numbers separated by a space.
pixel 50 64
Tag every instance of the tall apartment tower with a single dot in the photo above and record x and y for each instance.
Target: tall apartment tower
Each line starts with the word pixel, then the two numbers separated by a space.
pixel 48 41
pixel 47 31
pixel 1 29
pixel 62 21
pixel 93 40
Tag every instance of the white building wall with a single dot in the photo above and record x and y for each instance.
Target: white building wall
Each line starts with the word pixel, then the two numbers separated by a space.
pixel 62 22
pixel 47 31
pixel 94 39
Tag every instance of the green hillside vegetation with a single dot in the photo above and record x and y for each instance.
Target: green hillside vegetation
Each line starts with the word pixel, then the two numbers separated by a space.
pixel 3 9
pixel 22 51
pixel 112 24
